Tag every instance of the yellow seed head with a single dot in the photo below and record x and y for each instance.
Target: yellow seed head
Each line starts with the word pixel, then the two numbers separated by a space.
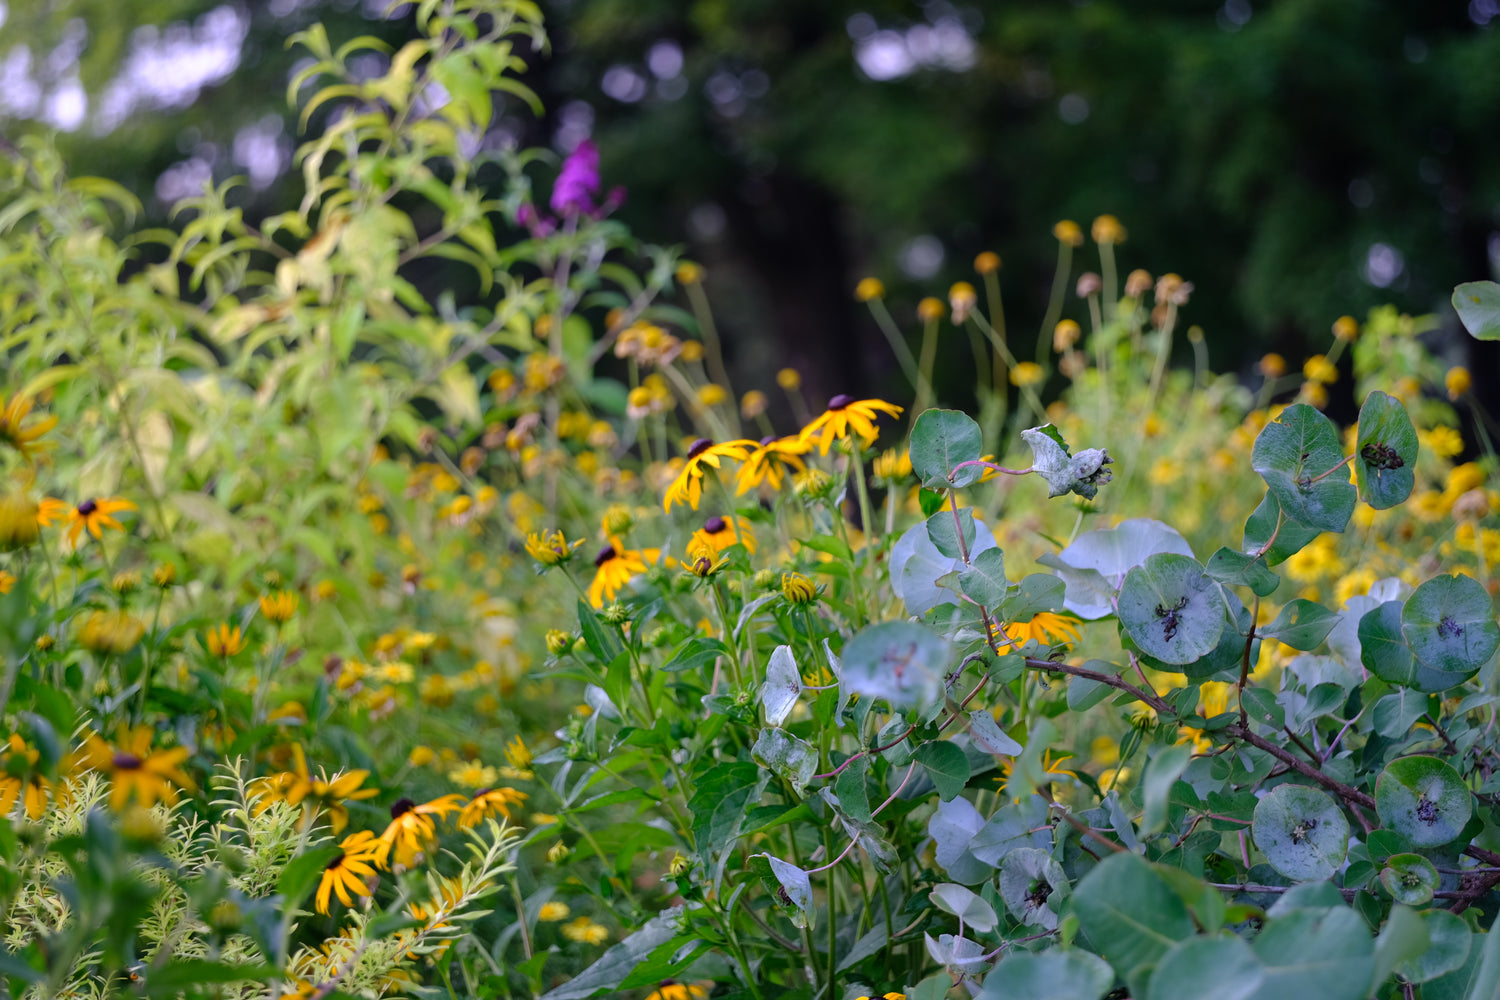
pixel 869 289
pixel 987 262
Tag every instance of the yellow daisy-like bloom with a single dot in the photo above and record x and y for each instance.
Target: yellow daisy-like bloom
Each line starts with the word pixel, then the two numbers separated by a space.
pixel 1045 627
pixel 869 289
pixel 323 794
pixel 688 486
pixel 1027 373
pixel 224 641
pixel 1213 699
pixel 349 870
pixel 20 432
pixel 7 581
pixel 892 465
pixel 20 781
pixel 280 606
pixel 770 462
pixel 613 569
pixel 95 515
pixel 1444 442
pixel 412 829
pixel 846 414
pixel 1068 233
pixel 135 771
pixel 473 774
pixel 1457 382
pixel 18 521
pixel 585 931
pixel 110 631
pixel 552 913
pixel 488 802
pixel 670 989
pixel 718 534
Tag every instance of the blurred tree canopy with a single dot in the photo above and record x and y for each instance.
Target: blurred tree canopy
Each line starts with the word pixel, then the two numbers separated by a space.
pixel 1295 160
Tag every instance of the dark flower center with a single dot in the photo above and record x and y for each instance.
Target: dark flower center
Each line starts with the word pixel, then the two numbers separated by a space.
pixel 768 439
pixel 402 807
pixel 840 401
pixel 87 507
pixel 699 447
pixel 126 762
pixel 605 555
pixel 481 793
pixel 714 525
pixel 335 863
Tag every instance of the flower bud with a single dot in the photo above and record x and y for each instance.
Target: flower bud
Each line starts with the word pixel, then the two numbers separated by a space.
pixel 987 262
pixel 1089 283
pixel 869 289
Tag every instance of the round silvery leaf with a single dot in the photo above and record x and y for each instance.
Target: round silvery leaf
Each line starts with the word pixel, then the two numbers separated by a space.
pixel 1032 885
pixel 902 663
pixel 1172 609
pixel 1409 878
pixel 1449 622
pixel 1423 799
pixel 1302 832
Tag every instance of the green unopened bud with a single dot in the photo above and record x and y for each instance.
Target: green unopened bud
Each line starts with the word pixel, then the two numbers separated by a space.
pixel 558 642
pixel 764 579
pixel 615 614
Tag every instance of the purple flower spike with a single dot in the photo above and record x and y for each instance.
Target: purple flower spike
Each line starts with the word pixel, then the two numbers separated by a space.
pixel 578 181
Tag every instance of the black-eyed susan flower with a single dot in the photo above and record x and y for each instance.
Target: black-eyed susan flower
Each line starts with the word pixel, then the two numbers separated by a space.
pixel 135 771
pixel 323 794
pixel 20 781
pixel 412 829
pixel 1045 627
pixel 613 569
pixel 846 414
pixel 670 989
pixel 550 549
pixel 7 581
pixel 110 631
pixel 19 429
pixel 487 802
pixel 279 606
pixel 558 641
pixel 349 871
pixel 885 996
pixel 95 515
pixel 719 534
pixel 770 462
pixel 224 640
pixel 702 454
pixel 798 589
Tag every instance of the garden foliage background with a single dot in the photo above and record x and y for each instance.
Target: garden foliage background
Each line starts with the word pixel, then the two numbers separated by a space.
pixel 424 586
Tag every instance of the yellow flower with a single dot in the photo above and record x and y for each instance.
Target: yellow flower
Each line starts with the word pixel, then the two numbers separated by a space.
pixel 412 829
pixel 845 414
pixel 557 852
pixel 770 462
pixel 753 404
pixel 1273 365
pixel 18 521
pixel 1045 627
pixel 224 641
pixel 518 754
pixel 473 774
pixel 712 394
pixel 1315 394
pixel 1068 233
pixel 1027 373
pixel 670 989
pixel 135 771
pixel 95 515
pixel 1314 561
pixel 868 289
pixel 962 299
pixel 585 931
pixel 324 794
pixel 551 913
pixel 885 996
pixel 987 262
pixel 1113 778
pixel 689 273
pixel 1319 369
pixel 491 800
pixel 349 870
pixel 1457 381
pixel 18 775
pixel 1064 335
pixel 550 550
pixel 688 486
pixel 719 534
pixel 421 756
pixel 16 431
pixel 279 607
pixel 110 631
pixel 1107 229
pixel 930 309
pixel 1353 584
pixel 798 589
pixel 893 465
pixel 7 581
pixel 1444 442
pixel 613 569
pixel 1345 328
pixel 789 379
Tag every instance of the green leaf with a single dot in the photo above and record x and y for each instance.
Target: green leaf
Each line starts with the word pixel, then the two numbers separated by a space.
pixel 1449 623
pixel 302 873
pixel 1302 624
pixel 697 652
pixel 1383 651
pixel 1272 533
pixel 901 662
pixel 795 885
pixel 966 905
pixel 618 962
pixel 941 439
pixel 1162 773
pixel 1478 307
pixel 1129 914
pixel 1424 799
pixel 943 527
pixel 983 580
pixel 1403 938
pixel 723 795
pixel 1385 455
pixel 1242 570
pixel 946 765
pixel 1409 878
pixel 1449 942
pixel 1083 473
pixel 178 977
pixel 1302 832
pixel 1049 975
pixel 1292 454
pixel 1323 953
pixel 1222 968
pixel 1033 886
pixel 786 756
pixel 601 641
pixel 988 736
pixel 1171 609
pixel 852 792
